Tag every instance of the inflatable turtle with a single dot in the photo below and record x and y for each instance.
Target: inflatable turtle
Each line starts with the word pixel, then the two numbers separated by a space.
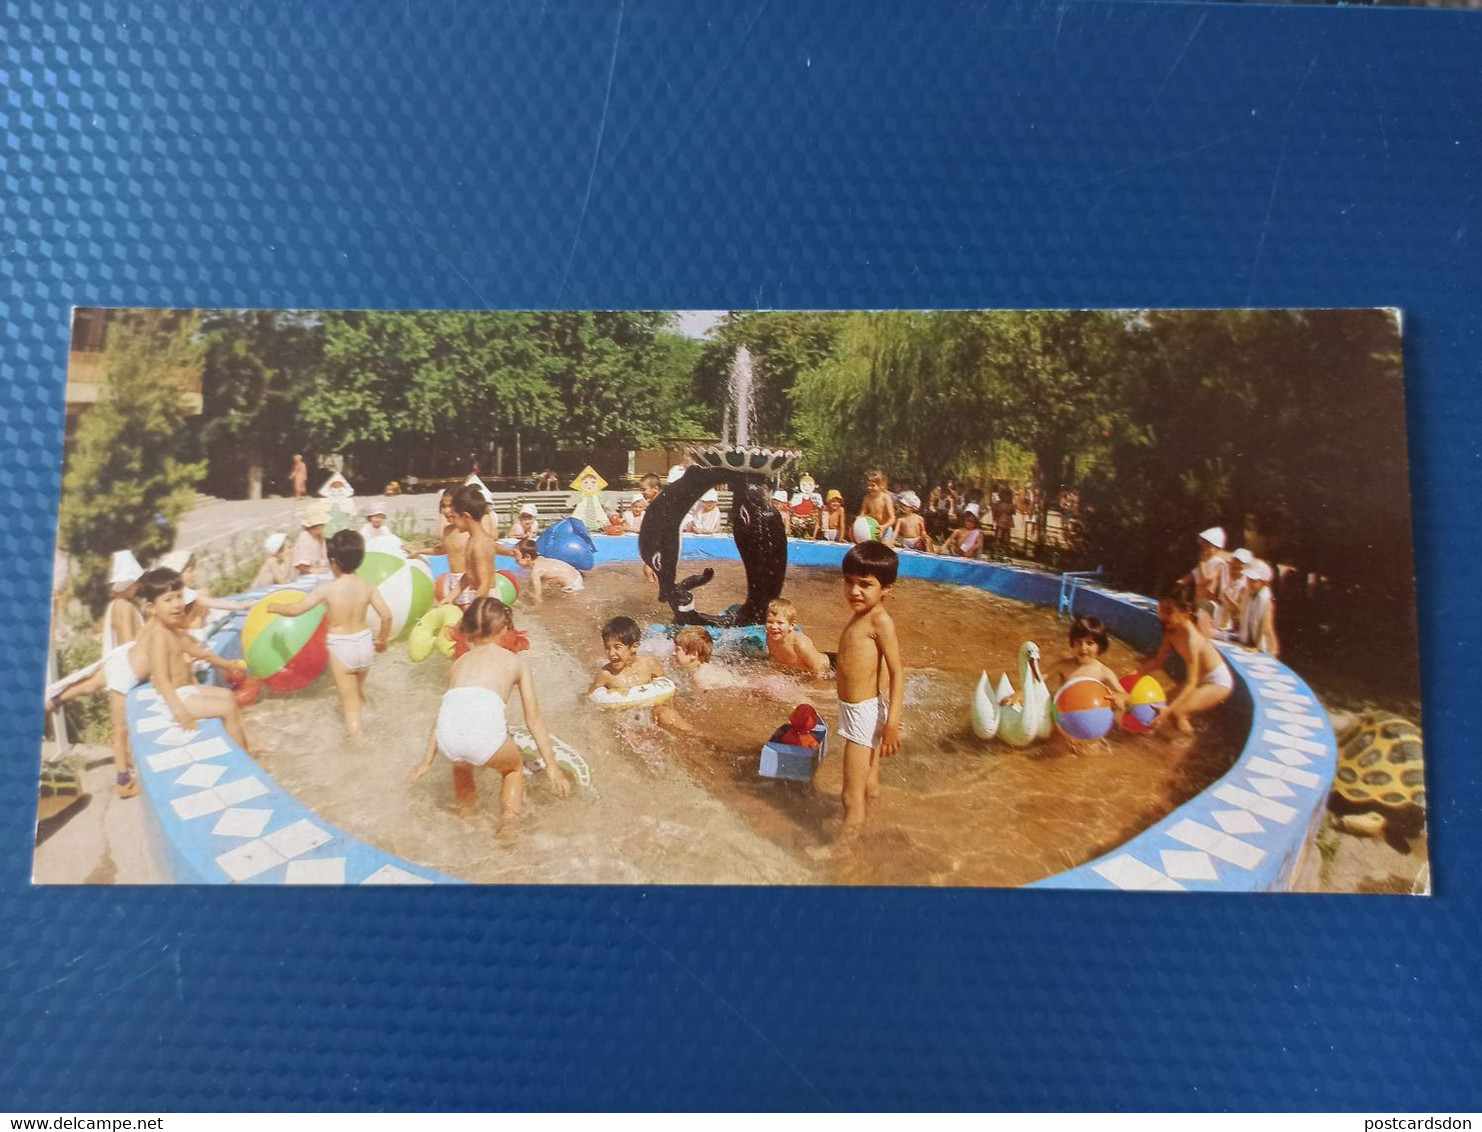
pixel 1380 781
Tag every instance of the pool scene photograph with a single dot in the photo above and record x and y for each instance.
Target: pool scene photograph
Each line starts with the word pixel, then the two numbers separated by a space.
pixel 1101 599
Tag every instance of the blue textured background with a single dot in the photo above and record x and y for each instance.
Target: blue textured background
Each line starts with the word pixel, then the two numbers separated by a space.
pixel 657 153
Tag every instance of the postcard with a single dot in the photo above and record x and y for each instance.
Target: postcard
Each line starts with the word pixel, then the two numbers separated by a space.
pixel 1116 600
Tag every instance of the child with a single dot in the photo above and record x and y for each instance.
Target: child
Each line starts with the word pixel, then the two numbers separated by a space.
pixel 1003 517
pixel 116 671
pixel 1235 594
pixel 471 729
pixel 707 520
pixel 878 504
pixel 788 647
pixel 1207 679
pixel 831 525
pixel 782 504
pixel 650 487
pixel 526 524
pixel 308 551
pixel 276 570
pixel 1209 578
pixel 871 682
pixel 375 532
pixel 347 598
pixel 159 658
pixel 1257 622
pixel 633 520
pixel 198 602
pixel 547 571
pixel 967 540
pixel 1088 644
pixel 910 528
pixel 692 651
pixel 469 510
pixel 626 669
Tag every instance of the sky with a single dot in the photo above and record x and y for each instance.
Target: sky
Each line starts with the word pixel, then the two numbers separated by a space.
pixel 696 324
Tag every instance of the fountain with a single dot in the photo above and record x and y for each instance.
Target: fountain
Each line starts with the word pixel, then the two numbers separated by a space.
pixel 761 535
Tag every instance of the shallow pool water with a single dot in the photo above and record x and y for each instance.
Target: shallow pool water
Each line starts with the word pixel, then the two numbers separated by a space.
pixel 668 810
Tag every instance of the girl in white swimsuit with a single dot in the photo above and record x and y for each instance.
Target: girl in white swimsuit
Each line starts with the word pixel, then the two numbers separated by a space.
pixel 471 730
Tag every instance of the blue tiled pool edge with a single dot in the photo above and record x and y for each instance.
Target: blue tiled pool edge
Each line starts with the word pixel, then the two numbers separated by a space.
pixel 223 819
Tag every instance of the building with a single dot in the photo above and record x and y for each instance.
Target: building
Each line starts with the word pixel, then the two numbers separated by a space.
pixel 87 368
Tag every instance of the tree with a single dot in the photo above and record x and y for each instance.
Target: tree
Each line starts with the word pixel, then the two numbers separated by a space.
pixel 257 365
pixel 904 391
pixel 1062 374
pixel 784 345
pixel 125 485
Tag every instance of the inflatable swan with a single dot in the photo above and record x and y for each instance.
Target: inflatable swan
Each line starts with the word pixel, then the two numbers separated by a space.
pixel 1016 724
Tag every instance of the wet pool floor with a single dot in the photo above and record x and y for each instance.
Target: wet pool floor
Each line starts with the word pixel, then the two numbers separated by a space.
pixel 664 809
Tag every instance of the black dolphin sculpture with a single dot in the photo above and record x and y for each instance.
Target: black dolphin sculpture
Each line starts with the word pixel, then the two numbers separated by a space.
pixel 760 535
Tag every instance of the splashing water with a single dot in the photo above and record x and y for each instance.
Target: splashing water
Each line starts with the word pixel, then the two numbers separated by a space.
pixel 740 390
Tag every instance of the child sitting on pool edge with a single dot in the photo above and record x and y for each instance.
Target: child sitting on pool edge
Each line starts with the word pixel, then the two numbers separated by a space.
pixel 471 728
pixel 347 600
pixel 159 658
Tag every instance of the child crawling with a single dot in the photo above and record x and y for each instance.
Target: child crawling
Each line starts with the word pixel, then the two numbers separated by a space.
pixel 547 571
pixel 471 729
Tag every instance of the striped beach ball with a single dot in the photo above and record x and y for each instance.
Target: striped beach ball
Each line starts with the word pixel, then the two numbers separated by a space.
pixel 1083 709
pixel 285 653
pixel 1147 698
pixel 866 529
pixel 405 585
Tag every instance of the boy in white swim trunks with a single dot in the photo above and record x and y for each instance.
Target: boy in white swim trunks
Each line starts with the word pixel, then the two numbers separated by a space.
pixel 160 658
pixel 870 678
pixel 348 599
pixel 470 509
pixel 547 571
pixel 1207 679
pixel 471 729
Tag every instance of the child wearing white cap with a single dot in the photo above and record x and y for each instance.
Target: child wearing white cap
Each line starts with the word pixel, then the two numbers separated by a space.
pixel 526 524
pixel 1209 578
pixel 637 508
pixel 122 622
pixel 910 525
pixel 707 520
pixel 276 570
pixel 1258 618
pixel 377 535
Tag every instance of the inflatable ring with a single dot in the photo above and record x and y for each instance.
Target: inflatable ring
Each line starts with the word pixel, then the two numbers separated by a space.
pixel 652 694
pixel 428 633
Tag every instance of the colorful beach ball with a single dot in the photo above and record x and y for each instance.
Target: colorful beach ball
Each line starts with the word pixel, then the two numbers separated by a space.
pixel 405 585
pixel 1147 700
pixel 440 586
pixel 285 653
pixel 866 529
pixel 1083 709
pixel 506 587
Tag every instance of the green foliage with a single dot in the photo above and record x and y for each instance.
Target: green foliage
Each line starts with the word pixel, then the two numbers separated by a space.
pixel 904 391
pixel 88 717
pixel 125 485
pixel 422 390
pixel 784 346
pixel 257 365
